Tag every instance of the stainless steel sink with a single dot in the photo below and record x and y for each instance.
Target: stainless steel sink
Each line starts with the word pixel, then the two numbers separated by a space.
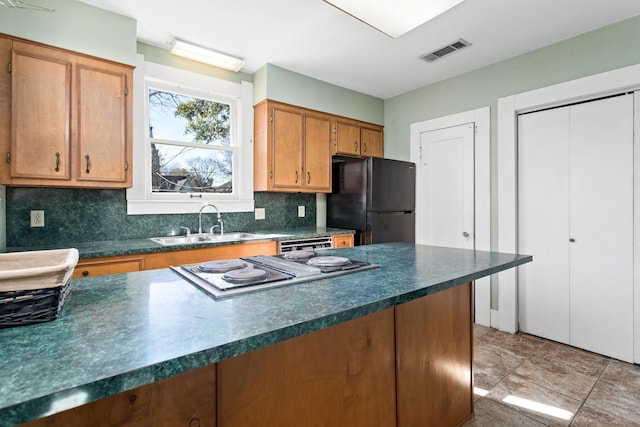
pixel 210 238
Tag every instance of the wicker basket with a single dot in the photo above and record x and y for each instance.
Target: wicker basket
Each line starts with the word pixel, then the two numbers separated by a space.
pixel 34 284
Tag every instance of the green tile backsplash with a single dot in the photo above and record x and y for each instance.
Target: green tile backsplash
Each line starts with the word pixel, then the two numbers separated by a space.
pixel 85 215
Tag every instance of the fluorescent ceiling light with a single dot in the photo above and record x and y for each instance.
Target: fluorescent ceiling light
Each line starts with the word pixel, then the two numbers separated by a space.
pixel 208 56
pixel 394 17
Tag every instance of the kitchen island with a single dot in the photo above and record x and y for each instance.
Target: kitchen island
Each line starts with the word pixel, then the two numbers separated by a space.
pixel 151 344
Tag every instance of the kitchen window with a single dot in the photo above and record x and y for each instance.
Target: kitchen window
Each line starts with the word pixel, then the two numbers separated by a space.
pixel 192 142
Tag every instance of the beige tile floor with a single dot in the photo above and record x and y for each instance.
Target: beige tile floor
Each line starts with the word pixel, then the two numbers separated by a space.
pixel 522 380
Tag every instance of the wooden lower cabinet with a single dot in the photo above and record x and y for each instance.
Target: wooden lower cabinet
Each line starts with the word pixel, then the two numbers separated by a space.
pixel 90 267
pixel 183 400
pixel 342 241
pixel 409 365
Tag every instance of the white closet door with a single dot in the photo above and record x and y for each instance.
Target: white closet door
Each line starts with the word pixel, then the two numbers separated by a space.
pixel 601 225
pixel 543 223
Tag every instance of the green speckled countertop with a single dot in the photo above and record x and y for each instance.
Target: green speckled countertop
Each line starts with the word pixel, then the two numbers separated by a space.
pixel 139 246
pixel 123 331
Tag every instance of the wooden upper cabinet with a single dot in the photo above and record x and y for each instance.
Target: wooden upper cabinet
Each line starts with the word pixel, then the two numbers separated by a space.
pixel 371 141
pixel 317 152
pixel 357 139
pixel 287 143
pixel 347 138
pixel 40 113
pixel 71 119
pixel 291 149
pixel 102 123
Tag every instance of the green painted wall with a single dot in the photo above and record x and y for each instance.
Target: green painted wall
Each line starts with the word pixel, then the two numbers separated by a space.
pixel 75 26
pixel 292 88
pixel 164 57
pixel 608 48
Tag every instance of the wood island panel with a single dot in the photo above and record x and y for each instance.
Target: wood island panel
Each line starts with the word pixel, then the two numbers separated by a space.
pixel 434 359
pixel 182 400
pixel 339 376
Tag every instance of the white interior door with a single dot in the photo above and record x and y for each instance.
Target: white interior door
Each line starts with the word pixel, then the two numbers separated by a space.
pixel 601 226
pixel 543 223
pixel 448 186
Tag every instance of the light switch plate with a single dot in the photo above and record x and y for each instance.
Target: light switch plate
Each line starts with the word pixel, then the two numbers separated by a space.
pixel 301 212
pixel 259 213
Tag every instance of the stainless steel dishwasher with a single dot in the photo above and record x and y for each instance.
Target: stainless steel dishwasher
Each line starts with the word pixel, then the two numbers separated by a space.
pixel 310 244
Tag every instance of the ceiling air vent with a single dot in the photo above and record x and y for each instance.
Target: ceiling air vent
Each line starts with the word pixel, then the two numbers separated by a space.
pixel 444 51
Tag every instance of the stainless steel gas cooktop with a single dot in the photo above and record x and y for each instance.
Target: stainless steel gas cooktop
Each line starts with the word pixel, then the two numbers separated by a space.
pixel 224 278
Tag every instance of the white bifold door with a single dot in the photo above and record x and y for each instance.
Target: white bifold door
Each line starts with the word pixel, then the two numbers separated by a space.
pixel 575 216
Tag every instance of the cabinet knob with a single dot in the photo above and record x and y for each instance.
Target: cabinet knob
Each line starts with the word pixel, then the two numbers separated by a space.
pixel 572 239
pixel 465 234
pixel 85 273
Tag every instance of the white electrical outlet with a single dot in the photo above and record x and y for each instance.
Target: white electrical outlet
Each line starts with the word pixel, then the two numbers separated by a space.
pixel 37 218
pixel 301 212
pixel 259 212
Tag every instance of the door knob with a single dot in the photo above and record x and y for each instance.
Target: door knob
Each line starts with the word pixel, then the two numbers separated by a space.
pixel 465 234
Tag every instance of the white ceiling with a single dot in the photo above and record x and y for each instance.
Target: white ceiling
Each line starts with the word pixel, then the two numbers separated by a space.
pixel 313 38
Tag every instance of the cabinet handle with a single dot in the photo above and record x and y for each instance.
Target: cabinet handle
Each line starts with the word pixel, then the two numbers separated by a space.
pixel 296 177
pixel 572 240
pixel 86 157
pixel 364 147
pixel 308 177
pixel 355 145
pixel 57 169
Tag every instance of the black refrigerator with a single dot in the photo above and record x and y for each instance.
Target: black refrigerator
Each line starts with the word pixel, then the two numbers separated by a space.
pixel 374 196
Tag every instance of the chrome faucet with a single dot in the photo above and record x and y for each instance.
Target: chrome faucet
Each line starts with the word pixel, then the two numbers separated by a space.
pixel 220 223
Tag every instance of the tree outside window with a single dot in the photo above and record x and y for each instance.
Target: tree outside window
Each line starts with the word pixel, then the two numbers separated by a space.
pixel 191 150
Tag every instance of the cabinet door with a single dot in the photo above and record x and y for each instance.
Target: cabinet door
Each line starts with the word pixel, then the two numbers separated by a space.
pixel 287 147
pixel 317 150
pixel 371 142
pixel 6 46
pixel 347 138
pixel 102 124
pixel 41 108
pixel 342 241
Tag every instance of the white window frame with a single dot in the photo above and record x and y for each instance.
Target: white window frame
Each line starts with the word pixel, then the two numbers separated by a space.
pixel 140 199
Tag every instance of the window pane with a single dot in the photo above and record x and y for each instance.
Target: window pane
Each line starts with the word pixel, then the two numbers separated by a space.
pixel 176 169
pixel 184 118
